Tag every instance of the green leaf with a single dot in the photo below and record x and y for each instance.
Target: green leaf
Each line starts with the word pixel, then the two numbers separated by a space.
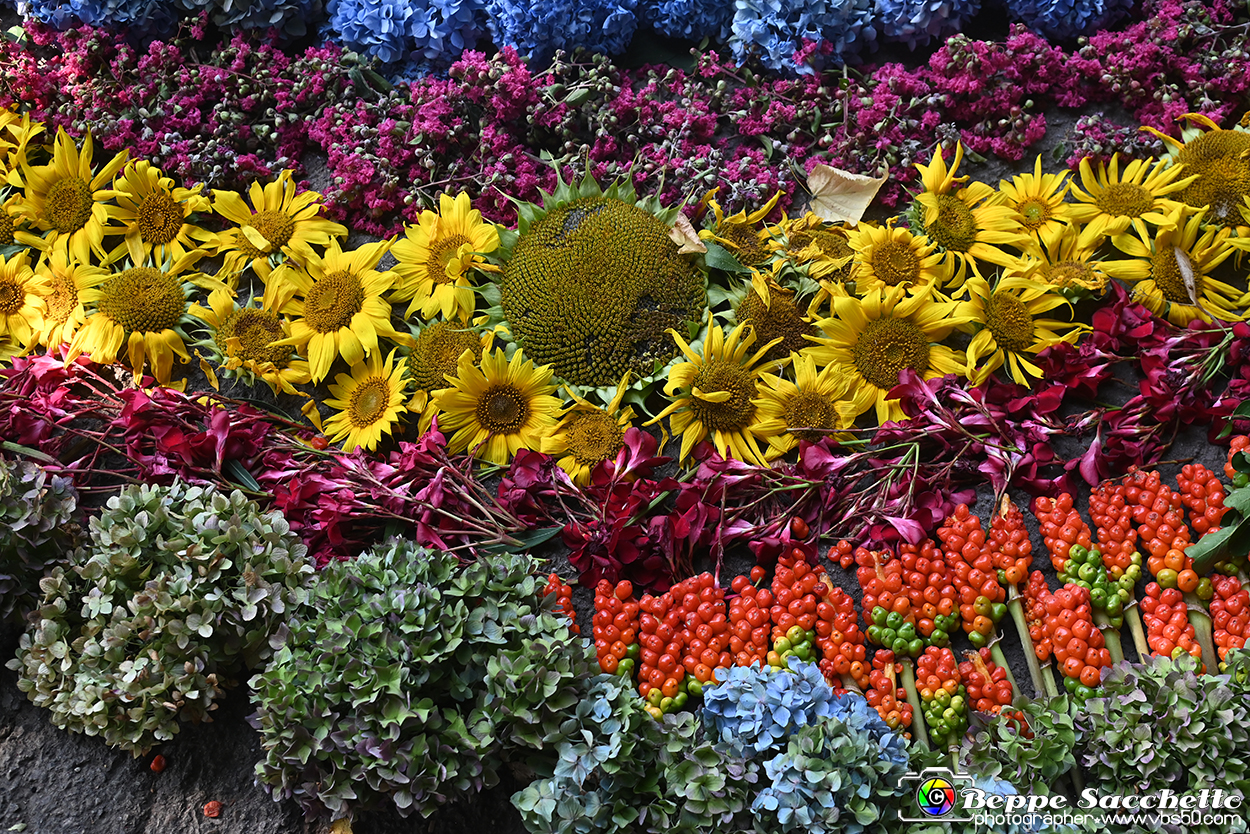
pixel 1211 548
pixel 718 257
pixel 238 472
pixel 1241 412
pixel 527 542
pixel 1239 501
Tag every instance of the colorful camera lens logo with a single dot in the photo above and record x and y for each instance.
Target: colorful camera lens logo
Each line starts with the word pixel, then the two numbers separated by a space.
pixel 936 796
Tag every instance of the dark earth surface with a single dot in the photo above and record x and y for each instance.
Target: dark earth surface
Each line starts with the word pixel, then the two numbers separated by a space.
pixel 54 782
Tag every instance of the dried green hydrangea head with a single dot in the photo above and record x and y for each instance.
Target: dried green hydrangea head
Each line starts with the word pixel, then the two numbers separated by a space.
pixel 37 529
pixel 593 287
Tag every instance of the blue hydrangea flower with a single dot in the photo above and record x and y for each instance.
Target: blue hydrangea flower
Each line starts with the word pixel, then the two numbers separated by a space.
pixel 916 22
pixel 691 20
pixel 853 711
pixel 416 31
pixel 757 709
pixel 537 28
pixel 1068 19
pixel 145 17
pixel 772 30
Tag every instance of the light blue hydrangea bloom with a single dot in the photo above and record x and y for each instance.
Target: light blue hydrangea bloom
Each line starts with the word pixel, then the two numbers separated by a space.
pixel 537 28
pixel 916 22
pixel 1061 20
pixel 755 709
pixel 691 20
pixel 773 30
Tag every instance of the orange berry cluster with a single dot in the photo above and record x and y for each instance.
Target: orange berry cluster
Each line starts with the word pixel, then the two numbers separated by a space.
pixel 614 624
pixel 885 695
pixel 1062 527
pixel 1202 493
pixel 1113 519
pixel 986 682
pixel 749 619
pixel 916 585
pixel 1076 643
pixel 1160 518
pixel 685 629
pixel 1035 594
pixel 942 696
pixel 564 599
pixel 1168 630
pixel 1240 443
pixel 971 564
pixel 1010 547
pixel 1230 614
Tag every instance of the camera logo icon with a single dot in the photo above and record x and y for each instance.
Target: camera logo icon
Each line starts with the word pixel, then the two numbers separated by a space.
pixel 935 792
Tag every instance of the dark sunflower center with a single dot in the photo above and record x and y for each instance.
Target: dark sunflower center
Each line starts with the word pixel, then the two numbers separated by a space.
pixel 735 413
pixel 1009 320
pixel 1222 184
pixel 1124 199
pixel 255 329
pixel 369 402
pixel 332 302
pixel 1069 273
pixel 62 300
pixel 809 410
pixel 955 227
pixel 779 318
pixel 895 263
pixel 886 347
pixel 437 352
pixel 832 245
pixel 746 244
pixel 143 300
pixel 275 226
pixel 12 296
pixel 593 436
pixel 160 218
pixel 68 205
pixel 6 228
pixel 1168 277
pixel 1034 213
pixel 441 254
pixel 502 409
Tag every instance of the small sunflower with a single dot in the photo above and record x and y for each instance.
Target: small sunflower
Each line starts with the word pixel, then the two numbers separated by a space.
pixel 770 310
pixel 1170 271
pixel 713 394
pixel 279 222
pixel 968 225
pixel 499 408
pixel 435 355
pixel 16 133
pixel 66 200
pixel 15 228
pixel 1067 265
pixel 21 300
pixel 738 232
pixel 1110 202
pixel 873 339
pixel 1219 163
pixel 240 341
pixel 65 281
pixel 822 251
pixel 889 256
pixel 805 409
pixel 1038 199
pixel 587 435
pixel 1009 327
pixel 143 310
pixel 435 258
pixel 370 401
pixel 155 216
pixel 338 302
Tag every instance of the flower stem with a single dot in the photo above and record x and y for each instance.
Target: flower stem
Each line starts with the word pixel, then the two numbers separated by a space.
pixel 1016 606
pixel 917 711
pixel 1201 621
pixel 1139 633
pixel 1110 635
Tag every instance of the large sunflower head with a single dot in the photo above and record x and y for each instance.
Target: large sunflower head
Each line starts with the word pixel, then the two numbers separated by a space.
pixel 1218 161
pixel 1170 270
pixel 740 233
pixel 338 304
pixel 368 402
pixel 968 224
pixel 770 310
pixel 143 310
pixel 1038 199
pixel 154 217
pixel 593 283
pixel 819 249
pixel 279 223
pixel 21 300
pixel 587 435
pixel 713 394
pixel 1008 322
pixel 498 408
pixel 66 198
pixel 873 339
pixel 1111 201
pixel 435 259
pixel 240 341
pixel 1067 265
pixel 434 357
pixel 805 409
pixel 890 256
pixel 64 280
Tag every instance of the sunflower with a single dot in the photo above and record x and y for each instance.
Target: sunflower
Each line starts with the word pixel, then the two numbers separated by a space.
pixel 340 310
pixel 1110 203
pixel 435 257
pixel 15 136
pixel 64 198
pixel 1170 271
pixel 822 250
pixel 805 409
pixel 435 355
pixel 370 402
pixel 1009 327
pixel 155 216
pixel 715 394
pixel 873 339
pixel 1219 163
pixel 15 229
pixel 888 256
pixel 1038 199
pixel 1067 265
pixel 499 408
pixel 240 341
pixel 141 309
pixel 968 225
pixel 587 435
pixel 21 300
pixel 65 280
pixel 278 222
pixel 770 310
pixel 737 232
